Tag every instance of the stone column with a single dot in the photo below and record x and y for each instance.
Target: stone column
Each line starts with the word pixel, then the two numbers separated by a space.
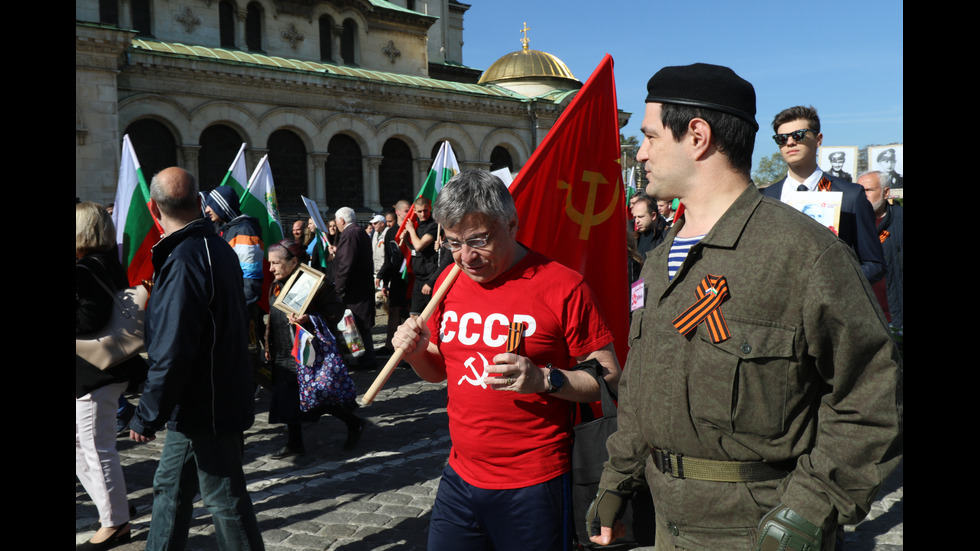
pixel 240 17
pixel 422 167
pixel 338 32
pixel 126 14
pixel 188 159
pixel 252 158
pixel 318 187
pixel 372 184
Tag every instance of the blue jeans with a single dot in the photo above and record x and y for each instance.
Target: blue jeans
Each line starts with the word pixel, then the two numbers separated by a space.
pixel 212 464
pixel 535 518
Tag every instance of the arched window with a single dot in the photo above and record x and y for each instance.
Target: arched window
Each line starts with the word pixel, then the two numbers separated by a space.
pixel 219 145
pixel 287 159
pixel 154 144
pixel 226 24
pixel 141 17
pixel 395 172
pixel 500 158
pixel 348 43
pixel 253 27
pixel 326 38
pixel 345 180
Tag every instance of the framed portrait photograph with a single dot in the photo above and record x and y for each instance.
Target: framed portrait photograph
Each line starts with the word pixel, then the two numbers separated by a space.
pixel 822 206
pixel 890 160
pixel 299 290
pixel 839 161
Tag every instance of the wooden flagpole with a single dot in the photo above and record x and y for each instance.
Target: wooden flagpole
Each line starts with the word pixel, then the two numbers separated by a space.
pixel 389 367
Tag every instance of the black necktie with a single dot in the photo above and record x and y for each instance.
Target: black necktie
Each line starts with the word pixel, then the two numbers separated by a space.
pixel 802 187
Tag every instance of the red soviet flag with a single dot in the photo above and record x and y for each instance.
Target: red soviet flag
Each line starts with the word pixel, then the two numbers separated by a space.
pixel 569 197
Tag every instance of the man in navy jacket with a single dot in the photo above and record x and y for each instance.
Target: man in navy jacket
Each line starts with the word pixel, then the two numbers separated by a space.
pixel 798 137
pixel 199 382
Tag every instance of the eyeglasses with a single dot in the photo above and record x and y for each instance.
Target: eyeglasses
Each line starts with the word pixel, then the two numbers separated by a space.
pixel 475 242
pixel 798 136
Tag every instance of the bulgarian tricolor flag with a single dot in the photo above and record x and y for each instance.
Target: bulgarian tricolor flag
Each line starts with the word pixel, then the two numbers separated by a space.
pixel 569 198
pixel 630 190
pixel 259 200
pixel 136 230
pixel 237 177
pixel 444 167
pixel 303 351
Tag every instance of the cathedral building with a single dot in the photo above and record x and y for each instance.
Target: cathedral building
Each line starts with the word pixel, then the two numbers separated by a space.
pixel 350 99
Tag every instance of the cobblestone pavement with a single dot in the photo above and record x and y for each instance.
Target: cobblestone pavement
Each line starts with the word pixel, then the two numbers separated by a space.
pixel 377 497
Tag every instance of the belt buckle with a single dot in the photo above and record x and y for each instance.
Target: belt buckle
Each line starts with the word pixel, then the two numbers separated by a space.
pixel 666 466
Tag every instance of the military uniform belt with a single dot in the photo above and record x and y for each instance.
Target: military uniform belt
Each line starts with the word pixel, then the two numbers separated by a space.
pixel 680 466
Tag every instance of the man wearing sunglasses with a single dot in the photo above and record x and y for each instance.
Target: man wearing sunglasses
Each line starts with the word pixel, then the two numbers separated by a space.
pixel 507 484
pixel 798 137
pixel 759 401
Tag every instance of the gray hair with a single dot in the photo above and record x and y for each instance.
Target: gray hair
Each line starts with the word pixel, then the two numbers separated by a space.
pixel 170 200
pixel 878 173
pixel 473 192
pixel 346 214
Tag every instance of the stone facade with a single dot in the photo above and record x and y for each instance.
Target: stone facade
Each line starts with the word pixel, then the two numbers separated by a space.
pixel 178 76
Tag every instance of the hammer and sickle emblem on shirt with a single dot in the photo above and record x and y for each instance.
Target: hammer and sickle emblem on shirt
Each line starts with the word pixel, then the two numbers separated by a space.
pixel 589 217
pixel 477 379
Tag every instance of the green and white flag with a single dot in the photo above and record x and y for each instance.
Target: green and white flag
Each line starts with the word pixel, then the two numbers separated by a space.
pixel 237 177
pixel 443 168
pixel 260 201
pixel 630 188
pixel 136 230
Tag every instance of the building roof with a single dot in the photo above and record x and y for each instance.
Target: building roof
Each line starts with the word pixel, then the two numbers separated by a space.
pixel 528 63
pixel 236 57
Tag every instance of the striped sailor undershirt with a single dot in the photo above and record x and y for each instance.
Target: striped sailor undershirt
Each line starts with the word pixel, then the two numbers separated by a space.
pixel 678 252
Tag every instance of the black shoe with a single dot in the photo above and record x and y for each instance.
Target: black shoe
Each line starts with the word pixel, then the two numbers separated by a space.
pixel 98 525
pixel 115 539
pixel 286 451
pixel 354 434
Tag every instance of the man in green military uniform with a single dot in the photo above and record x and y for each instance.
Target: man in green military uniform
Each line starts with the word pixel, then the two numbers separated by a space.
pixel 760 397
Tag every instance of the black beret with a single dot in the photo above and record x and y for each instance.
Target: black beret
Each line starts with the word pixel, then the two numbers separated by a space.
pixel 703 85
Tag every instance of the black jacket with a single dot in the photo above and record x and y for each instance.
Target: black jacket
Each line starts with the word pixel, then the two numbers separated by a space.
pixel 200 375
pixel 857 224
pixel 93 310
pixel 894 249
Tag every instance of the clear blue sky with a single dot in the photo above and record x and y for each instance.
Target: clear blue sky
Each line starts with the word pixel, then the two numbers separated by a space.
pixel 844 58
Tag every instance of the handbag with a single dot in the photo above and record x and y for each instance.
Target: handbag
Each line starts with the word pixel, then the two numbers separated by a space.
pixel 325 381
pixel 122 337
pixel 352 337
pixel 589 454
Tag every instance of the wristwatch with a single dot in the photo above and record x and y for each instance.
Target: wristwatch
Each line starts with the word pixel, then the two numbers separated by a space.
pixel 556 379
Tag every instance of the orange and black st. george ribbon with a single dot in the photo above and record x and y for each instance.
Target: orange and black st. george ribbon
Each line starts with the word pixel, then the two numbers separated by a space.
pixel 515 338
pixel 824 184
pixel 710 294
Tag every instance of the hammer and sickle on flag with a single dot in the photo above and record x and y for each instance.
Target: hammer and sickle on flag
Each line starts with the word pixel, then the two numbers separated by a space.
pixel 710 294
pixel 588 218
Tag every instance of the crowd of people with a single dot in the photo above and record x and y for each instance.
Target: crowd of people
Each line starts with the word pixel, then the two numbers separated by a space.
pixel 759 405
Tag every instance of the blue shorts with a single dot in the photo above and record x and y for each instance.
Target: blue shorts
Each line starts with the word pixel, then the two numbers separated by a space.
pixel 535 518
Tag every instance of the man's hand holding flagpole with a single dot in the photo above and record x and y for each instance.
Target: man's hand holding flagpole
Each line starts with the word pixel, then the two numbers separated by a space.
pixel 382 377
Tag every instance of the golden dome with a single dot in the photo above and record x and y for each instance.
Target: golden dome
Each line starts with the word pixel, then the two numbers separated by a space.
pixel 527 63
